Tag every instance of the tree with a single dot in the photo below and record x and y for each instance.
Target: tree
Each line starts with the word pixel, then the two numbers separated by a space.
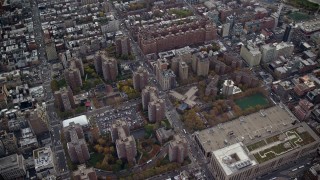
pixel 102 141
pixel 98 148
pixel 54 85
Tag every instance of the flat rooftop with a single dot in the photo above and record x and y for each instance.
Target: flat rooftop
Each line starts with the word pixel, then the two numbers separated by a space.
pixel 42 158
pixel 233 158
pixel 10 161
pixel 246 129
pixel 282 142
pixel 82 120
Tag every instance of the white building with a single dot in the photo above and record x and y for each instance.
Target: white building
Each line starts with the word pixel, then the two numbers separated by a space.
pixel 82 120
pixel 251 54
pixel 228 88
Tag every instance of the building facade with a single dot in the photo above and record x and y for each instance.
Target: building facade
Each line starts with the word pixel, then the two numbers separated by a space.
pixel 146 94
pixel 163 39
pixel 64 99
pixel 156 110
pixel 183 70
pixel 109 69
pixel 125 144
pixel 115 126
pixel 122 45
pixel 73 78
pixel 268 52
pixel 178 149
pixel 140 79
pixel 167 79
pixel 77 146
pixel 251 54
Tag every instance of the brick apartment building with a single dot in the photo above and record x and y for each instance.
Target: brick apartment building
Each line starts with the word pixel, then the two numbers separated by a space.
pixel 163 39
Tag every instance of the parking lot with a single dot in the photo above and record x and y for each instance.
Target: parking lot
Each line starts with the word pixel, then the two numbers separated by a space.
pixel 128 113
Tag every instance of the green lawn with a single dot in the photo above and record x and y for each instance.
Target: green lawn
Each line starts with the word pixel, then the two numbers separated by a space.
pixel 256 145
pixel 298 16
pixel 252 101
pixel 272 139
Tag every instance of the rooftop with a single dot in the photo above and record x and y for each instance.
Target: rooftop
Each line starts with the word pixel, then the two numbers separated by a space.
pixel 246 129
pixel 10 161
pixel 233 158
pixel 82 120
pixel 42 158
pixel 281 143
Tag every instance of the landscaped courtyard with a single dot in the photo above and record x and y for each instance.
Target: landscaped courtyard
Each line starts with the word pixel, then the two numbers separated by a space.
pixel 279 144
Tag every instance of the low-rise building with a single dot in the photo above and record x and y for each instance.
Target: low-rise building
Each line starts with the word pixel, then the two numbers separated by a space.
pixel 303 110
pixel 9 142
pixel 187 98
pixel 28 141
pixel 44 162
pixel 84 173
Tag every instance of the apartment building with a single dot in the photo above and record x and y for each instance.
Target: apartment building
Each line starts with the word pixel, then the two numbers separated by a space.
pixel 64 99
pixel 77 146
pixel 119 123
pixel 125 144
pixel 167 79
pixel 146 94
pixel 73 78
pixel 178 149
pixel 183 70
pixel 122 45
pixel 156 110
pixel 140 78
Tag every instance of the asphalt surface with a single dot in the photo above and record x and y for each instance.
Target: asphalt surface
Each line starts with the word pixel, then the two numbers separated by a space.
pixel 46 71
pixel 105 119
